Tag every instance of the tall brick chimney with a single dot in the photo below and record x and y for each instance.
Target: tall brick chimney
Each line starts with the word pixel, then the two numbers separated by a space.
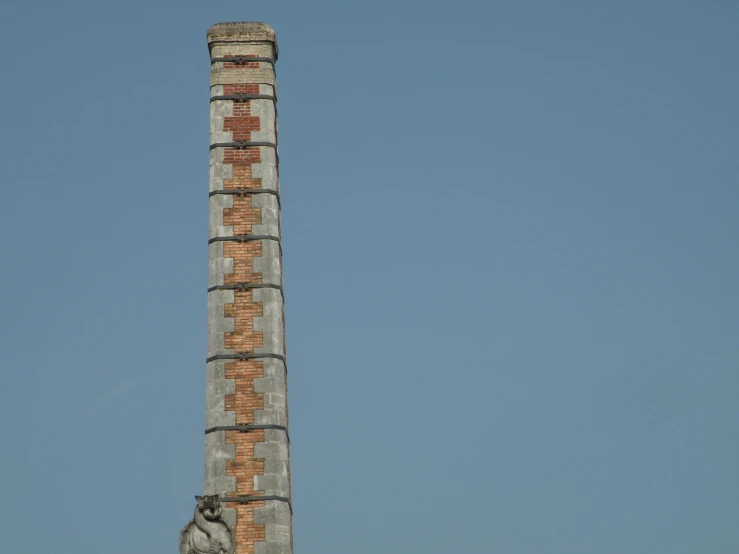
pixel 246 436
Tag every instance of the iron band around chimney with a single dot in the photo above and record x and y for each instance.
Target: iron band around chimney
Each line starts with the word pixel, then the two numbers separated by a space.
pixel 241 144
pixel 243 97
pixel 245 356
pixel 244 428
pixel 248 356
pixel 244 191
pixel 247 499
pixel 242 60
pixel 243 238
pixel 247 286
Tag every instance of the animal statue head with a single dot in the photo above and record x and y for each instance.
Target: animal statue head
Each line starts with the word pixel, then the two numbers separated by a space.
pixel 207 533
pixel 209 506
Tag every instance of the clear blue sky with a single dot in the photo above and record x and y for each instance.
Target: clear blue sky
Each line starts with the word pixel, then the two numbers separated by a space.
pixel 511 271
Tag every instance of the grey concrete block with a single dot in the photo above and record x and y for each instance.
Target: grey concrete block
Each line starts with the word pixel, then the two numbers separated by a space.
pixel 274 368
pixel 270 322
pixel 269 207
pixel 270 385
pixel 228 515
pixel 271 450
pixel 218 170
pixel 276 436
pixel 218 266
pixel 266 170
pixel 269 264
pixel 277 465
pixel 272 484
pixel 217 453
pixel 273 512
pixel 280 532
pixel 270 417
pixel 218 323
pixel 216 389
pixel 217 204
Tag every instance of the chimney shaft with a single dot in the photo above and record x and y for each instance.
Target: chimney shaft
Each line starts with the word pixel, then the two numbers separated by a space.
pixel 246 441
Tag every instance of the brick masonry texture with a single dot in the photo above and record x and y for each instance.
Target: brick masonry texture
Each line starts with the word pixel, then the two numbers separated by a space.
pixel 255 463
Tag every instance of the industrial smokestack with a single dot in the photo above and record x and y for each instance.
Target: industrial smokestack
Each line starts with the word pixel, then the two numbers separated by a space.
pixel 246 435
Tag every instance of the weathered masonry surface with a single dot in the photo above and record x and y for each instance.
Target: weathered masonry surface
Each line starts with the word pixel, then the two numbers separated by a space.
pixel 246 441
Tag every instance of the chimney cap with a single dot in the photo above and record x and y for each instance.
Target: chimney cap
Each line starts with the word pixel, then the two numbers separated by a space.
pixel 246 31
pixel 241 31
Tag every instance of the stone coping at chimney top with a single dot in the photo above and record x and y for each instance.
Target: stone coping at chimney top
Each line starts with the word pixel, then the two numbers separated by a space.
pixel 247 31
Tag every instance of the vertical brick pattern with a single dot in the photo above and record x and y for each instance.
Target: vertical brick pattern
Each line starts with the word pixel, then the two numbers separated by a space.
pixel 254 463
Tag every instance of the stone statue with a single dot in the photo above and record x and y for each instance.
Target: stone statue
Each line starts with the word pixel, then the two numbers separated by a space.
pixel 207 533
